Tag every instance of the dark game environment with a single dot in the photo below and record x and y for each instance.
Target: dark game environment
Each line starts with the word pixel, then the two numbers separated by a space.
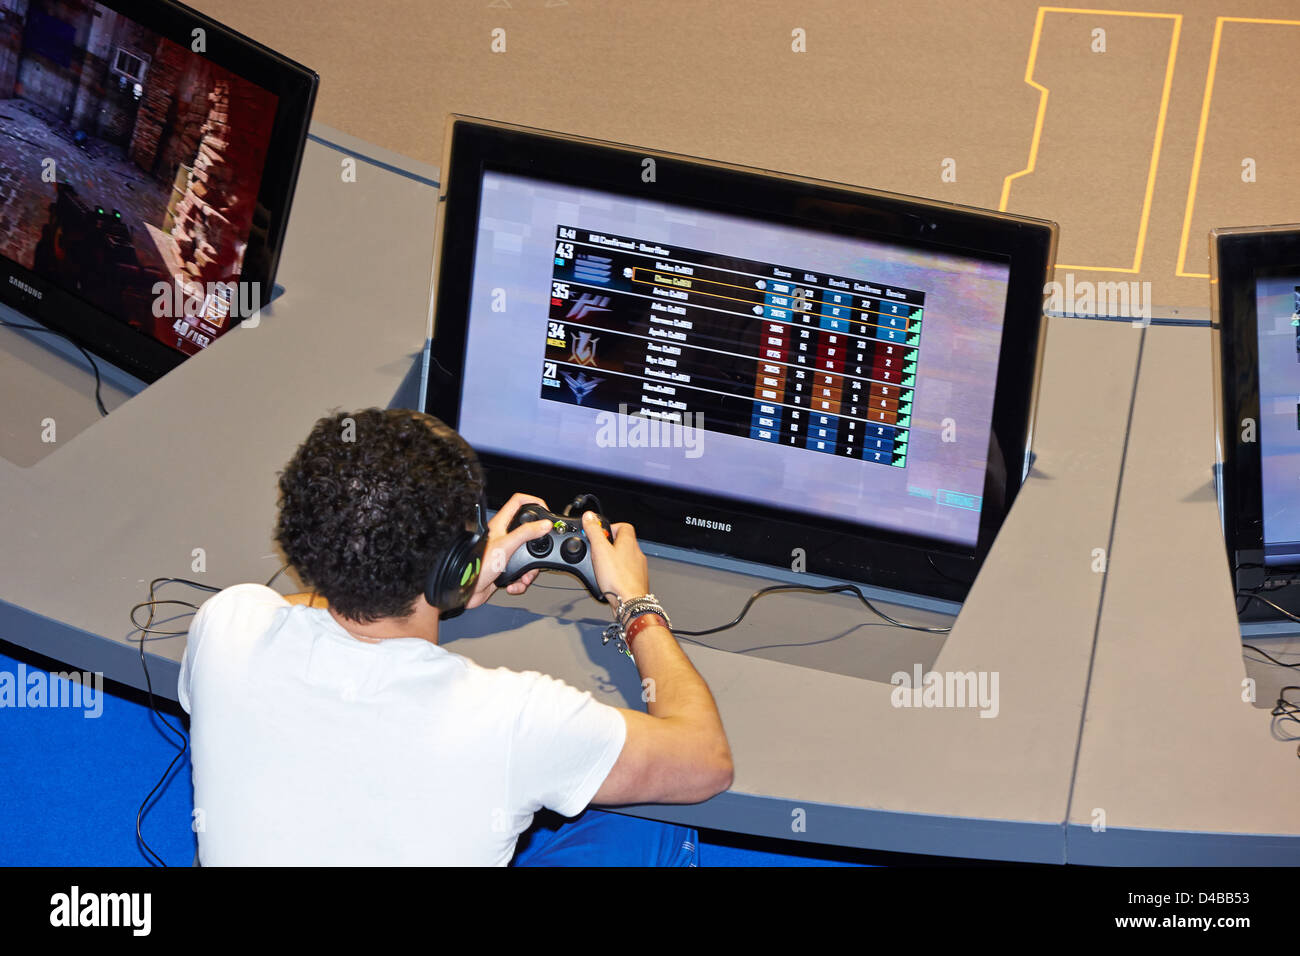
pixel 127 160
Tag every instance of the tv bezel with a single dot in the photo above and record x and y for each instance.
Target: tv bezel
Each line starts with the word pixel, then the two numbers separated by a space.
pixel 759 534
pixel 1239 256
pixel 107 335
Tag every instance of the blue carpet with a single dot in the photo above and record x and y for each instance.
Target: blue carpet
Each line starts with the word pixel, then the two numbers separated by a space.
pixel 72 783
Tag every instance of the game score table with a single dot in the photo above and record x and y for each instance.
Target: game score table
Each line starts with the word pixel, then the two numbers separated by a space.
pixel 765 351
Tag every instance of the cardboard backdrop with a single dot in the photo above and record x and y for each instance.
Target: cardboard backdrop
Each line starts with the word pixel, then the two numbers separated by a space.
pixel 1138 130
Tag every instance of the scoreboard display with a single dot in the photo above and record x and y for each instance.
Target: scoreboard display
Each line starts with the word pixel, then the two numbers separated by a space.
pixel 768 351
pixel 1277 332
pixel 737 362
pixel 848 378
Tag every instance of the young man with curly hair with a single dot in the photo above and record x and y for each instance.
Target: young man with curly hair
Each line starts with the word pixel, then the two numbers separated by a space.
pixel 332 728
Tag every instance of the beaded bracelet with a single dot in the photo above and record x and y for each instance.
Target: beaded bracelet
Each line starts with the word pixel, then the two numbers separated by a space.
pixel 628 614
pixel 634 607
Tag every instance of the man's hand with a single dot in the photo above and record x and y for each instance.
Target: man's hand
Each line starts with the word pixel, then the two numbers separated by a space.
pixel 502 544
pixel 620 567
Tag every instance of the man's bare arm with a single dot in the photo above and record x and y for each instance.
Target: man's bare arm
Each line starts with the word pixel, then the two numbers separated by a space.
pixel 678 752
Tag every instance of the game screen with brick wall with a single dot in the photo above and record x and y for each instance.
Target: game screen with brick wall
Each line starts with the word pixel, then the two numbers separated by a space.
pixel 129 168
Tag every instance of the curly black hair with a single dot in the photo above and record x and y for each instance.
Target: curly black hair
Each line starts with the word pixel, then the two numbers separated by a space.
pixel 369 502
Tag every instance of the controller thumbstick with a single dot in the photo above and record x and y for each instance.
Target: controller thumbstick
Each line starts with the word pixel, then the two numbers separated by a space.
pixel 540 547
pixel 573 550
pixel 527 513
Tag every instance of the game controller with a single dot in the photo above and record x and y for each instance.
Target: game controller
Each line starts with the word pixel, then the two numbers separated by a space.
pixel 565 548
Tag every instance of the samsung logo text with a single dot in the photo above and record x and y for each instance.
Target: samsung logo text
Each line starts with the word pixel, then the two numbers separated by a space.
pixel 19 284
pixel 706 523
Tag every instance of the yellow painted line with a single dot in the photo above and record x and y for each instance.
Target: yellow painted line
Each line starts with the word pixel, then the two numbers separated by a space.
pixel 1038 120
pixel 1189 208
pixel 1160 134
pixel 1160 124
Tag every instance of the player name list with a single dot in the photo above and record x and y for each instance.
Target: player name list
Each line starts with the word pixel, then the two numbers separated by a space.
pixel 766 351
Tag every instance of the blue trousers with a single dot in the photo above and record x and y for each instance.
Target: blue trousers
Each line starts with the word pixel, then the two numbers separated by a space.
pixel 599 838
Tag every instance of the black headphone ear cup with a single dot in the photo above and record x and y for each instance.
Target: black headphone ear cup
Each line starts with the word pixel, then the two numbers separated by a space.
pixel 452 581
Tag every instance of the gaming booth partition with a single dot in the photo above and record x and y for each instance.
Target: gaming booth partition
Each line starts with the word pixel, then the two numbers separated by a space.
pixel 779 381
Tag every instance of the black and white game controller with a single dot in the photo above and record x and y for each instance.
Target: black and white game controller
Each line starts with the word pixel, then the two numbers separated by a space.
pixel 565 548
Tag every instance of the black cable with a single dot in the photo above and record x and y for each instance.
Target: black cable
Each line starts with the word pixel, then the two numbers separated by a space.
pixel 1285 708
pixel 829 589
pixel 1271 659
pixel 1285 711
pixel 145 630
pixel 1248 595
pixel 943 574
pixel 283 568
pixel 147 627
pixel 581 503
pixel 184 740
pixel 768 590
pixel 94 366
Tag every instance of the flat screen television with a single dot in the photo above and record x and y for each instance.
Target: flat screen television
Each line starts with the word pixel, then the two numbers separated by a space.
pixel 150 155
pixel 1255 273
pixel 787 372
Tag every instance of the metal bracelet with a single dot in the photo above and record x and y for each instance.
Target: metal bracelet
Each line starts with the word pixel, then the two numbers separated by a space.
pixel 632 608
pixel 648 604
pixel 623 605
pixel 615 633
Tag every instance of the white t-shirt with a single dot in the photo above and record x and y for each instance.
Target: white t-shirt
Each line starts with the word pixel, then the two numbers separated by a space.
pixel 312 747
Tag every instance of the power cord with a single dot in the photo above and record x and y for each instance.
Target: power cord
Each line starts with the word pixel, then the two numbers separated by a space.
pixel 1271 659
pixel 1249 595
pixel 1285 710
pixel 768 590
pixel 589 502
pixel 145 630
pixel 829 589
pixel 943 574
pixel 581 503
pixel 94 366
pixel 149 632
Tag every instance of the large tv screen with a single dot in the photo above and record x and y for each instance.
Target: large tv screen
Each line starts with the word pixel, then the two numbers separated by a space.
pixel 781 371
pixel 1256 303
pixel 149 156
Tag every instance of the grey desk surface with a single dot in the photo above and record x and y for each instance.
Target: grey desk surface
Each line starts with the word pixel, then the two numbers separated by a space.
pixel 1177 763
pixel 821 752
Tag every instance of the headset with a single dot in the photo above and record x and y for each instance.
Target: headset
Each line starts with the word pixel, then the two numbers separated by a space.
pixel 450 583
